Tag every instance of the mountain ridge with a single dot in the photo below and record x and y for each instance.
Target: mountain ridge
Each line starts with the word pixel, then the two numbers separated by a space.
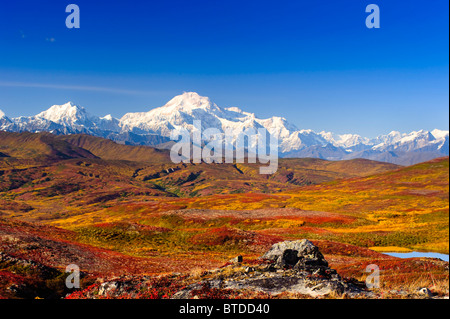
pixel 154 127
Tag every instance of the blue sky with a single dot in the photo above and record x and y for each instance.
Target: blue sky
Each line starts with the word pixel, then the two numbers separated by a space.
pixel 312 62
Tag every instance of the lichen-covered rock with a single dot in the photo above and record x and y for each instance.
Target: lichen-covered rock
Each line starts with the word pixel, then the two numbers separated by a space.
pixel 290 266
pixel 297 254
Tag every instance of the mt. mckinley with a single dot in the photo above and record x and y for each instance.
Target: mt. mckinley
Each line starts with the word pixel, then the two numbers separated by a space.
pixel 153 128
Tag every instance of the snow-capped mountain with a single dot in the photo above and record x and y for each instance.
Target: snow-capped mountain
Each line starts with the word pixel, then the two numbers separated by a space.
pixel 4 120
pixel 182 110
pixel 345 140
pixel 154 127
pixel 67 114
pixel 67 118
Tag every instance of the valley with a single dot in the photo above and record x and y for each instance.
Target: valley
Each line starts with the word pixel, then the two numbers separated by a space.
pixel 128 212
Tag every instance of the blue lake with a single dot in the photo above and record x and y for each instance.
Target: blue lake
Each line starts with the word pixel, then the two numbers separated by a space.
pixel 419 254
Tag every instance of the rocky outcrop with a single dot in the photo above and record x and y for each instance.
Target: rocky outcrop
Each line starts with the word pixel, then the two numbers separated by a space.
pixel 292 266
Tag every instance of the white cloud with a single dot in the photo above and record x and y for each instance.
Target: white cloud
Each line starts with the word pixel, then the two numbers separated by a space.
pixel 74 87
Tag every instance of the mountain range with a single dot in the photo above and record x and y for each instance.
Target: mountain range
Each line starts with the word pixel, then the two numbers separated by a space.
pixel 153 128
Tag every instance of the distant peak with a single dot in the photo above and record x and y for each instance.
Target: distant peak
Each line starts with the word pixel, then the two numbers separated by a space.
pixel 70 103
pixel 436 133
pixel 107 117
pixel 191 94
pixel 69 106
pixel 67 112
pixel 191 97
pixel 234 109
pixel 189 101
pixel 2 114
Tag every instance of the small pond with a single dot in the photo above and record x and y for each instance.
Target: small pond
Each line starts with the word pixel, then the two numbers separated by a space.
pixel 419 254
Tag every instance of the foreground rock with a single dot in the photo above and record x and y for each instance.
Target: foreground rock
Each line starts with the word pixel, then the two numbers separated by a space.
pixel 290 269
pixel 298 254
pixel 292 266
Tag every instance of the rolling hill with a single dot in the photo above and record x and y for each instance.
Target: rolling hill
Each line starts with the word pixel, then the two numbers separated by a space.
pixel 43 146
pixel 57 164
pixel 117 209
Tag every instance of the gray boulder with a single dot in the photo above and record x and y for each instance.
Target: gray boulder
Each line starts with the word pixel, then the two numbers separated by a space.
pixel 295 254
pixel 290 266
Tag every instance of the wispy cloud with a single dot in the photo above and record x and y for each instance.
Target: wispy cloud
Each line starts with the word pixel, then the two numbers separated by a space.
pixel 76 87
